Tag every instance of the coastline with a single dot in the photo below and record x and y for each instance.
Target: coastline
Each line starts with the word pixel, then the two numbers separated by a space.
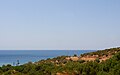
pixel 24 56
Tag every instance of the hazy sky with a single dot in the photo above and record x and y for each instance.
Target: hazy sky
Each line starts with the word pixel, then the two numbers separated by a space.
pixel 59 24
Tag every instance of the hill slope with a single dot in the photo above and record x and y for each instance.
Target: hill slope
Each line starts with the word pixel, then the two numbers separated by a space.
pixel 64 65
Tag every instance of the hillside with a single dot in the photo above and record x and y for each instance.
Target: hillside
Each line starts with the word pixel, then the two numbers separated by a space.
pixel 102 55
pixel 71 65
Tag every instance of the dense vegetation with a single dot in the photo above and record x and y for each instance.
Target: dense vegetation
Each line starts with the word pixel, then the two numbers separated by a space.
pixel 59 65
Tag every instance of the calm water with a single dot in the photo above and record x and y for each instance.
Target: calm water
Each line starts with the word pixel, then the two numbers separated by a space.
pixel 24 56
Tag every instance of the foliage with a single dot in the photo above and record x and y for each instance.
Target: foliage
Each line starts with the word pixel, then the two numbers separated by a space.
pixel 60 65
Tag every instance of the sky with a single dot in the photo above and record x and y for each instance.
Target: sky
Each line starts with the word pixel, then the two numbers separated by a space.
pixel 59 24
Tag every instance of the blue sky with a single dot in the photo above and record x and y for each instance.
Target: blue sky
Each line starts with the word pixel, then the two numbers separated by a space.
pixel 59 24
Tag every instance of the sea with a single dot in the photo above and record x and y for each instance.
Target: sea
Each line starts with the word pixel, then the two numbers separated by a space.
pixel 24 56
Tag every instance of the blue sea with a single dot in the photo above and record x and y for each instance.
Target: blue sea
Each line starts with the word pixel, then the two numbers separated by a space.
pixel 24 56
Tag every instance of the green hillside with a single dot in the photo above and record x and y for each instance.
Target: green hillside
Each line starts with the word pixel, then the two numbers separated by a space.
pixel 61 66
